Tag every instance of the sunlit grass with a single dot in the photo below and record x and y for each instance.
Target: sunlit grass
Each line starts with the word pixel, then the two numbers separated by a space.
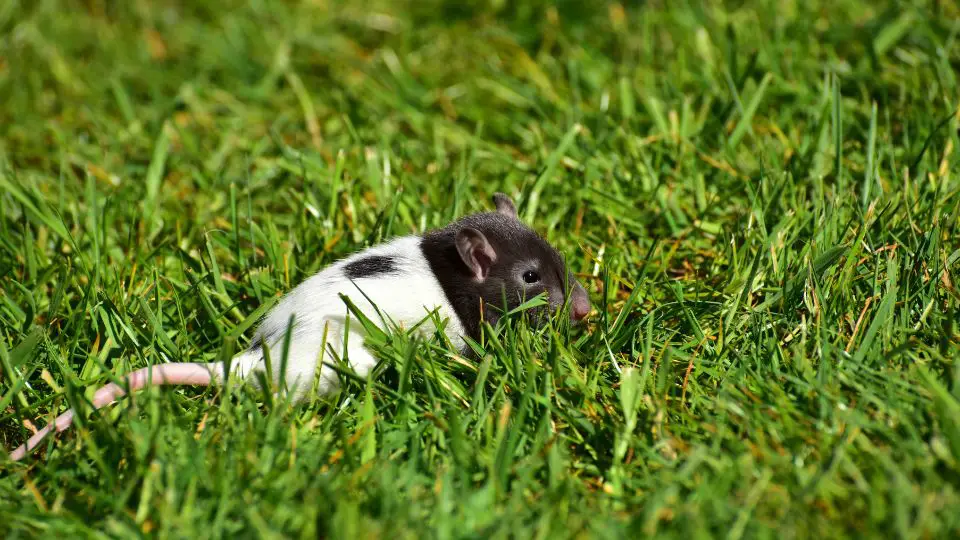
pixel 762 201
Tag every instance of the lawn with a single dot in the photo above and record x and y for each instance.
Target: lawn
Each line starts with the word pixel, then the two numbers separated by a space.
pixel 761 198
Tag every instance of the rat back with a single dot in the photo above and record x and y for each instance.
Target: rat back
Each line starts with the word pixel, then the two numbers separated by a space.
pixel 393 276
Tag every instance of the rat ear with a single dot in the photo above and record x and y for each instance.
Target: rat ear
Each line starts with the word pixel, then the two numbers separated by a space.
pixel 475 251
pixel 504 205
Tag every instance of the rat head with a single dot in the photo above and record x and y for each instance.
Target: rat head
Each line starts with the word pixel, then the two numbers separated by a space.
pixel 489 261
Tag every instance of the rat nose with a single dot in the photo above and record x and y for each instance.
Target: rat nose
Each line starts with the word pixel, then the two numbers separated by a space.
pixel 579 304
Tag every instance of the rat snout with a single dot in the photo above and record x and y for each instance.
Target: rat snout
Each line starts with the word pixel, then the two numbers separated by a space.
pixel 579 303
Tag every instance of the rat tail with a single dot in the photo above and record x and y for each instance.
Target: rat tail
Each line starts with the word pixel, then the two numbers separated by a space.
pixel 173 374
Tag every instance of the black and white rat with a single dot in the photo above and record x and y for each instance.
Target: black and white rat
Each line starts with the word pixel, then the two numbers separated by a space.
pixel 464 272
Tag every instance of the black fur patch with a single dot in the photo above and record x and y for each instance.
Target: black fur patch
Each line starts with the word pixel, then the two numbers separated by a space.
pixel 371 266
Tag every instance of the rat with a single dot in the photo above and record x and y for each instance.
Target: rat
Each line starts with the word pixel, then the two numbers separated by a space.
pixel 466 273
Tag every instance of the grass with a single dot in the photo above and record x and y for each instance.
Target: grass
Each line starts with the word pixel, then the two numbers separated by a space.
pixel 761 197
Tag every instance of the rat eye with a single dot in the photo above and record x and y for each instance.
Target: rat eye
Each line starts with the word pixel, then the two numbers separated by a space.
pixel 531 277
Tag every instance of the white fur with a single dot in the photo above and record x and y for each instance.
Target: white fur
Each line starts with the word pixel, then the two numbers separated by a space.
pixel 404 298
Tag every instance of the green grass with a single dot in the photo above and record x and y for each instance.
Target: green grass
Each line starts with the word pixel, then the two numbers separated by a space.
pixel 761 197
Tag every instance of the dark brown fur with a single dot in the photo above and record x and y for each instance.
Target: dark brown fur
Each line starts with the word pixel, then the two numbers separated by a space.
pixel 517 250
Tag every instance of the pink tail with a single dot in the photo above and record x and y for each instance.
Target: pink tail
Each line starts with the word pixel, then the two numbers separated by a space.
pixel 163 374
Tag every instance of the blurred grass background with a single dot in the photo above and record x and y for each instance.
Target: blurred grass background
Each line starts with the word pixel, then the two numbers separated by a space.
pixel 761 198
